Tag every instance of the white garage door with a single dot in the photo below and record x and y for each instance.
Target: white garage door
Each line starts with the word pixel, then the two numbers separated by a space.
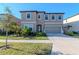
pixel 52 29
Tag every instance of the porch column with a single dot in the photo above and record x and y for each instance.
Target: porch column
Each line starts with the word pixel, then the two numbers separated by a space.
pixel 62 30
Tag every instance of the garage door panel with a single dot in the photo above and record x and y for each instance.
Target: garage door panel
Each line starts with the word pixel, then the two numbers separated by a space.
pixel 52 29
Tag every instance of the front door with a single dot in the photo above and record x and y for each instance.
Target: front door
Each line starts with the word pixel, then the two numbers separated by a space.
pixel 39 28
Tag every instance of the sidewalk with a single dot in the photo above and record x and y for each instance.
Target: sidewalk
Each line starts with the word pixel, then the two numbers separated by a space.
pixel 28 41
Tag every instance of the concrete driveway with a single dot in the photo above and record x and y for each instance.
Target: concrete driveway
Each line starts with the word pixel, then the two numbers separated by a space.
pixel 64 45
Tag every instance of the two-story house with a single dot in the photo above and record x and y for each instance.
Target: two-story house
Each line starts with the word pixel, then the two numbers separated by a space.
pixel 42 21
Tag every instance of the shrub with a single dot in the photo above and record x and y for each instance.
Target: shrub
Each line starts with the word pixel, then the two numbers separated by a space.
pixel 75 32
pixel 69 33
pixel 25 31
pixel 3 33
pixel 40 34
pixel 32 34
pixel 10 32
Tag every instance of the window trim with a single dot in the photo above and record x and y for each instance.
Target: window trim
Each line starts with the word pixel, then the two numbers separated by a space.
pixel 47 17
pixel 39 17
pixel 59 17
pixel 29 14
pixel 53 17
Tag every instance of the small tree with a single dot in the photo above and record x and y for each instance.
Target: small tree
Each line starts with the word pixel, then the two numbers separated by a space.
pixel 14 27
pixel 6 22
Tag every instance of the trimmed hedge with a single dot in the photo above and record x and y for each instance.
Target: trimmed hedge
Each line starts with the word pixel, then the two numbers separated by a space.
pixel 69 33
pixel 75 32
pixel 40 34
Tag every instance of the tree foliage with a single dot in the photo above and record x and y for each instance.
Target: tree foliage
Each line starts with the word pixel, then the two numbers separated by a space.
pixel 14 27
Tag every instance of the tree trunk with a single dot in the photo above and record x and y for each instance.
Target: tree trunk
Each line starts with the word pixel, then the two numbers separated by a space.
pixel 6 38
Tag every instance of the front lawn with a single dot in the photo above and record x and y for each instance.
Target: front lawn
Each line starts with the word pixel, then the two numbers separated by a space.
pixel 2 37
pixel 25 38
pixel 76 36
pixel 27 49
pixel 73 34
pixel 41 38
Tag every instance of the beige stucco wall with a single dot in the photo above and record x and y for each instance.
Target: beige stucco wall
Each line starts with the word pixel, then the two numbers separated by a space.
pixel 41 16
pixel 35 20
pixel 32 20
pixel 24 16
pixel 55 21
pixel 40 20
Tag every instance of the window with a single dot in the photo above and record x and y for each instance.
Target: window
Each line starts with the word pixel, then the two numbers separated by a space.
pixel 60 17
pixel 38 16
pixel 53 17
pixel 30 26
pixel 46 17
pixel 28 15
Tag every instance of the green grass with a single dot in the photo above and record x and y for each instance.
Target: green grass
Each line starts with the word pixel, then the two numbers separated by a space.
pixel 73 34
pixel 27 49
pixel 41 38
pixel 2 37
pixel 26 38
pixel 76 35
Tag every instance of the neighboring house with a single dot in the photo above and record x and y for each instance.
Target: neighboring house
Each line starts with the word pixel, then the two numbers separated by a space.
pixel 42 22
pixel 72 23
pixel 13 19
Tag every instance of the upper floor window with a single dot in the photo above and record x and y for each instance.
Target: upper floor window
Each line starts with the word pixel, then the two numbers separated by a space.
pixel 60 17
pixel 28 16
pixel 46 17
pixel 38 16
pixel 53 17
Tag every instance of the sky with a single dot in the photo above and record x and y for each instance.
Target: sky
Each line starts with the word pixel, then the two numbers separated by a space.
pixel 69 9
